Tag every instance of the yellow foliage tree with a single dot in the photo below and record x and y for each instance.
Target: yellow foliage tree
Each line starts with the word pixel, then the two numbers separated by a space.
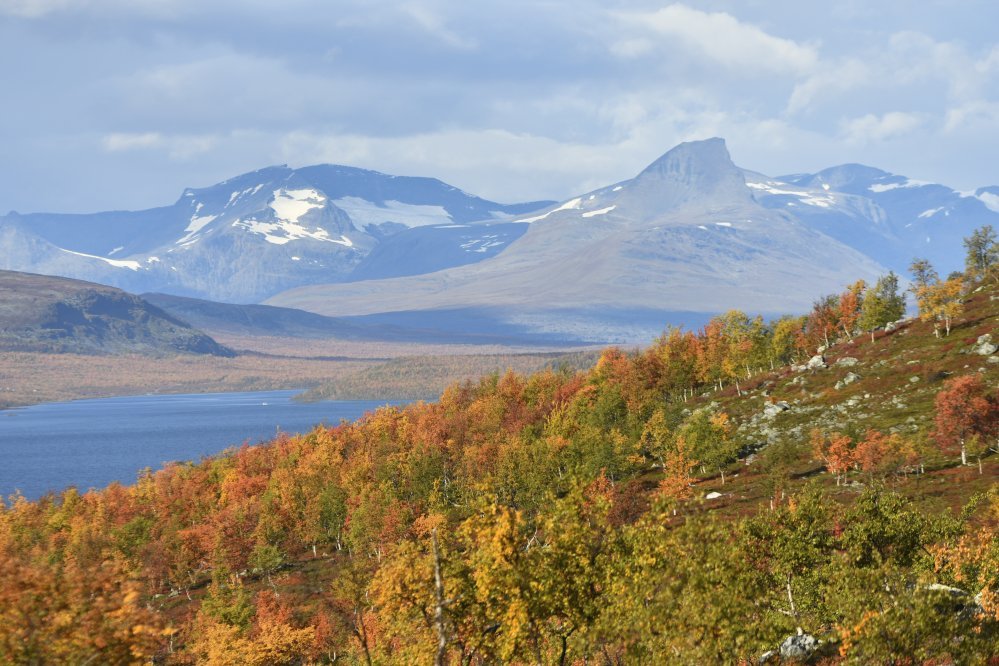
pixel 941 302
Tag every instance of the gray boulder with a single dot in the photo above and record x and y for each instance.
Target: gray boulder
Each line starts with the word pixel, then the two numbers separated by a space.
pixel 846 381
pixel 847 361
pixel 796 648
pixel 799 646
pixel 816 362
pixel 774 408
pixel 984 345
pixel 954 592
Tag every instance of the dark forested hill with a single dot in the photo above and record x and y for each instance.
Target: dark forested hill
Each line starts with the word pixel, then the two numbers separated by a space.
pixel 51 314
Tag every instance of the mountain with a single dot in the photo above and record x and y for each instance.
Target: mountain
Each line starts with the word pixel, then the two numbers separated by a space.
pixel 891 218
pixel 254 235
pixel 684 239
pixel 690 235
pixel 266 320
pixel 434 248
pixel 51 314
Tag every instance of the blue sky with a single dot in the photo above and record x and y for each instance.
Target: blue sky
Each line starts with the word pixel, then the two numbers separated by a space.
pixel 123 103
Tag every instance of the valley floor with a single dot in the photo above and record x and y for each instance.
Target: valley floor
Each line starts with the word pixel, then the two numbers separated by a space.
pixel 333 368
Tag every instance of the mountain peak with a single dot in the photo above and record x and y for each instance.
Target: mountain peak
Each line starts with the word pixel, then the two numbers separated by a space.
pixel 707 152
pixel 852 178
pixel 694 170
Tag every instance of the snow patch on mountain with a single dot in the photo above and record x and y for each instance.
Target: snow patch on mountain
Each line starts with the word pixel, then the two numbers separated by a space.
pixel 283 231
pixel 810 197
pixel 198 222
pixel 878 188
pixel 573 204
pixel 363 212
pixel 482 244
pixel 239 194
pixel 602 211
pixel 990 200
pixel 117 263
pixel 291 205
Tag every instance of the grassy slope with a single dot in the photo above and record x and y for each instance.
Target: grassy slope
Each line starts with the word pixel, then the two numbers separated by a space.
pixel 887 397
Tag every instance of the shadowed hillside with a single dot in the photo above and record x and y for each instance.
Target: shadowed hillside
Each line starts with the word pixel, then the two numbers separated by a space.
pixel 51 314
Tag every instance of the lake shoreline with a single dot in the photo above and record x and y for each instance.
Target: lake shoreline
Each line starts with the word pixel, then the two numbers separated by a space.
pixel 89 443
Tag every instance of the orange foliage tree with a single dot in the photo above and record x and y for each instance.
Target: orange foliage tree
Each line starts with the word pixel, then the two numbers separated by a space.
pixel 835 450
pixel 965 409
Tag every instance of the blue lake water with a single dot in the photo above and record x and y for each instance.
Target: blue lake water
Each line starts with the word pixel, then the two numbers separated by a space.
pixel 90 443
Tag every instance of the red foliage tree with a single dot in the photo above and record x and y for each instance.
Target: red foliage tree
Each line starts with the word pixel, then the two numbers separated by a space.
pixel 835 450
pixel 964 409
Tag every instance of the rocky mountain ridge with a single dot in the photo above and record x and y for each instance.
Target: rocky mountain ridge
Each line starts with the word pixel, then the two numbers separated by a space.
pixel 253 235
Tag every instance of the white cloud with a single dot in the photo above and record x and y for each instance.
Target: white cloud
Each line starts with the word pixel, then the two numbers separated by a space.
pixel 979 115
pixel 36 9
pixel 434 24
pixel 632 47
pixel 722 38
pixel 512 100
pixel 123 141
pixel 873 128
pixel 177 147
pixel 33 8
pixel 829 80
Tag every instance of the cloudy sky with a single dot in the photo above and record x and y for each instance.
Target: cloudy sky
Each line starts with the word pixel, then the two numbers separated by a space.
pixel 123 103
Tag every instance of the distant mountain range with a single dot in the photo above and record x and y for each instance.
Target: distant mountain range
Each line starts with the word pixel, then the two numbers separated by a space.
pixel 890 218
pixel 255 235
pixel 40 313
pixel 691 235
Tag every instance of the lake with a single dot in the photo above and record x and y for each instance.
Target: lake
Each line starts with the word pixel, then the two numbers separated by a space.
pixel 90 443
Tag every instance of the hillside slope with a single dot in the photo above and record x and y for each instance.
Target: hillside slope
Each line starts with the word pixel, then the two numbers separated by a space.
pixel 677 504
pixel 49 314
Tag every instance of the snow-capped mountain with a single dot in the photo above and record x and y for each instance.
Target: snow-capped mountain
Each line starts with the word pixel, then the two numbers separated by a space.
pixel 689 236
pixel 684 239
pixel 254 235
pixel 889 217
